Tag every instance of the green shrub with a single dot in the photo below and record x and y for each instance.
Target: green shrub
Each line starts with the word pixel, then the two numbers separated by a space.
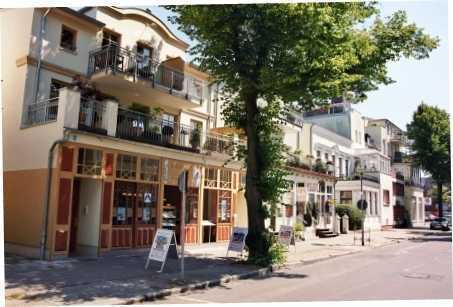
pixel 276 254
pixel 354 214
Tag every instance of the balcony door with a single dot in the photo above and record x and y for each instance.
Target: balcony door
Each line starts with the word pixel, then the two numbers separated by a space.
pixel 144 61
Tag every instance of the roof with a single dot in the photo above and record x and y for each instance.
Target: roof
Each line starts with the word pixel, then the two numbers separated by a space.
pixel 138 13
pixel 81 16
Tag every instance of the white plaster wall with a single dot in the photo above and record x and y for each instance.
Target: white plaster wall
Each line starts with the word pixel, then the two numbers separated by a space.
pixel 89 212
pixel 132 31
pixel 387 210
pixel 86 40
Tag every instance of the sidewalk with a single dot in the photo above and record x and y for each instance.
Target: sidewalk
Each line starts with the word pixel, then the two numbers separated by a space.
pixel 119 278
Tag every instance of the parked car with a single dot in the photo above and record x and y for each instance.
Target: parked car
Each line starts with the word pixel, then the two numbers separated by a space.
pixel 441 223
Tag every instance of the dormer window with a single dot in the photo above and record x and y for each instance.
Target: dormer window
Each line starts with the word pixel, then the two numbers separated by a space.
pixel 68 38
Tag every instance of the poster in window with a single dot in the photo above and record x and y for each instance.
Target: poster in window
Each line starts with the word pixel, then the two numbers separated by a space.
pixel 146 214
pixel 121 213
pixel 147 198
pixel 223 210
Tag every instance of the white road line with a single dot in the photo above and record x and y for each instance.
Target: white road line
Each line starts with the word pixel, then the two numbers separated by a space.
pixel 190 299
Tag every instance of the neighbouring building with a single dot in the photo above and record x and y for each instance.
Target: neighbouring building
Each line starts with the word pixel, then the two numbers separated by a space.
pixel 104 94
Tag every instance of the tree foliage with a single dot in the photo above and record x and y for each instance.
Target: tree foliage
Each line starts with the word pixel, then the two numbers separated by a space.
pixel 273 57
pixel 430 132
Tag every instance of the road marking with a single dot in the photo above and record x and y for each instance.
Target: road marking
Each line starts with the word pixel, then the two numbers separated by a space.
pixel 191 299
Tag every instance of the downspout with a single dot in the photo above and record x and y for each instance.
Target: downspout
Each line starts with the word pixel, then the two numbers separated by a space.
pixel 44 231
pixel 38 66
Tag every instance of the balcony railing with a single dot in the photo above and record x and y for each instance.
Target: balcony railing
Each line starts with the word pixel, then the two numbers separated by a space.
pixel 42 112
pixel 119 60
pixel 144 128
pixel 92 116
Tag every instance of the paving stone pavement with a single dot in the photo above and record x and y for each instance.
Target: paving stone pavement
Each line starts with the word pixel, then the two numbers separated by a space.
pixel 119 277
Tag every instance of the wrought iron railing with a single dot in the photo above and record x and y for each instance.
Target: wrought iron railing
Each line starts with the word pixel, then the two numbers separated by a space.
pixel 142 127
pixel 92 116
pixel 42 112
pixel 120 60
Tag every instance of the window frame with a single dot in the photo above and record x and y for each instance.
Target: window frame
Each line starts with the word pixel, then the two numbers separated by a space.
pixel 73 47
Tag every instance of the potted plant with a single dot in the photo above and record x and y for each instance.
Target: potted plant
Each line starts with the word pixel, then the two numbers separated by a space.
pixel 195 138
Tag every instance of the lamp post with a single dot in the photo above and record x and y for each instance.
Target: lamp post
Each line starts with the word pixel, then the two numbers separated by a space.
pixel 331 168
pixel 362 171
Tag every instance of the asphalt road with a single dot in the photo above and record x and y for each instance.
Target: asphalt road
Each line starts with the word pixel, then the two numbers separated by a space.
pixel 416 269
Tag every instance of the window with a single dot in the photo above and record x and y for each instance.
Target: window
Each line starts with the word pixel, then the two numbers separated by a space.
pixel 126 167
pixel 89 161
pixel 149 169
pixel 329 189
pixel 289 211
pixel 318 154
pixel 225 179
pixel 345 197
pixel 68 38
pixel 224 207
pixel 386 197
pixel 326 156
pixel 346 167
pixel 110 38
pixel 340 166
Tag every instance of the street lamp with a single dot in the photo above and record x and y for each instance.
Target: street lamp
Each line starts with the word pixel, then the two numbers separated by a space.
pixel 362 171
pixel 331 168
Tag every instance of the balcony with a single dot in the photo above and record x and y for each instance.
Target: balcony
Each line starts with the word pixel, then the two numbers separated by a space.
pixel 112 67
pixel 111 119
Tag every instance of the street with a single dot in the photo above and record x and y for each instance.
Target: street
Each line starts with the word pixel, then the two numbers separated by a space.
pixel 414 269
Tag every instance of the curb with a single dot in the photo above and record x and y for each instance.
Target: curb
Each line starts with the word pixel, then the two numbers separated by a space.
pixel 224 280
pixel 200 285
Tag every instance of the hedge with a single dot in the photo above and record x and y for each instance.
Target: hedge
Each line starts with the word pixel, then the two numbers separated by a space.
pixel 354 214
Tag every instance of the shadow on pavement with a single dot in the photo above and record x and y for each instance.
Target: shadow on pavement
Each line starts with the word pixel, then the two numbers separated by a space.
pixel 76 281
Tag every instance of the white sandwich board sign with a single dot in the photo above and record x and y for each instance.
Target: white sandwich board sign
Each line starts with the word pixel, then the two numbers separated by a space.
pixel 163 240
pixel 286 235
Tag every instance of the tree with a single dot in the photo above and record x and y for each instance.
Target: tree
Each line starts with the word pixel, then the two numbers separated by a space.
pixel 274 57
pixel 430 133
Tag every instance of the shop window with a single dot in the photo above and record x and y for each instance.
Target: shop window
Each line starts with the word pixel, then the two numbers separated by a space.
pixel 243 180
pixel 225 179
pixel 123 203
pixel 192 206
pixel 210 175
pixel 126 167
pixel 224 209
pixel 146 203
pixel 89 161
pixel 149 169
pixel 68 38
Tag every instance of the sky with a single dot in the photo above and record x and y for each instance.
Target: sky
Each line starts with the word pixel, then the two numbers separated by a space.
pixel 416 80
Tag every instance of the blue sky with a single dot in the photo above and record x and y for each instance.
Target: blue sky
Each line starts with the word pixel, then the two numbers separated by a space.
pixel 416 80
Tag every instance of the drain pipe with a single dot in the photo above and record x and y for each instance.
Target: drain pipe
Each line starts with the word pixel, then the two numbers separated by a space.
pixel 38 66
pixel 44 231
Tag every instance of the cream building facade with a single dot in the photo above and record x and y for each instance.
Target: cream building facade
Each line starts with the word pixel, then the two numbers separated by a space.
pixel 103 100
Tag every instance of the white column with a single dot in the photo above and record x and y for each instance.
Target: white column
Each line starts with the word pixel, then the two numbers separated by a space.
pixel 69 108
pixel 110 117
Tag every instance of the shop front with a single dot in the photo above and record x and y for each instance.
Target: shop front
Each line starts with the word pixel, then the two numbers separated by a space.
pixel 109 199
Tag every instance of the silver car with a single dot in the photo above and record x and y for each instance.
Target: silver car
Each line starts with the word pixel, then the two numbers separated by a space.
pixel 441 223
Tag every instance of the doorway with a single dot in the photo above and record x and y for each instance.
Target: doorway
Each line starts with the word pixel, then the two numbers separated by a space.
pixel 85 217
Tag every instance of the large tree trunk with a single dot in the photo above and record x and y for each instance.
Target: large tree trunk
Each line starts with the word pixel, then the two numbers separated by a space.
pixel 256 238
pixel 439 198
